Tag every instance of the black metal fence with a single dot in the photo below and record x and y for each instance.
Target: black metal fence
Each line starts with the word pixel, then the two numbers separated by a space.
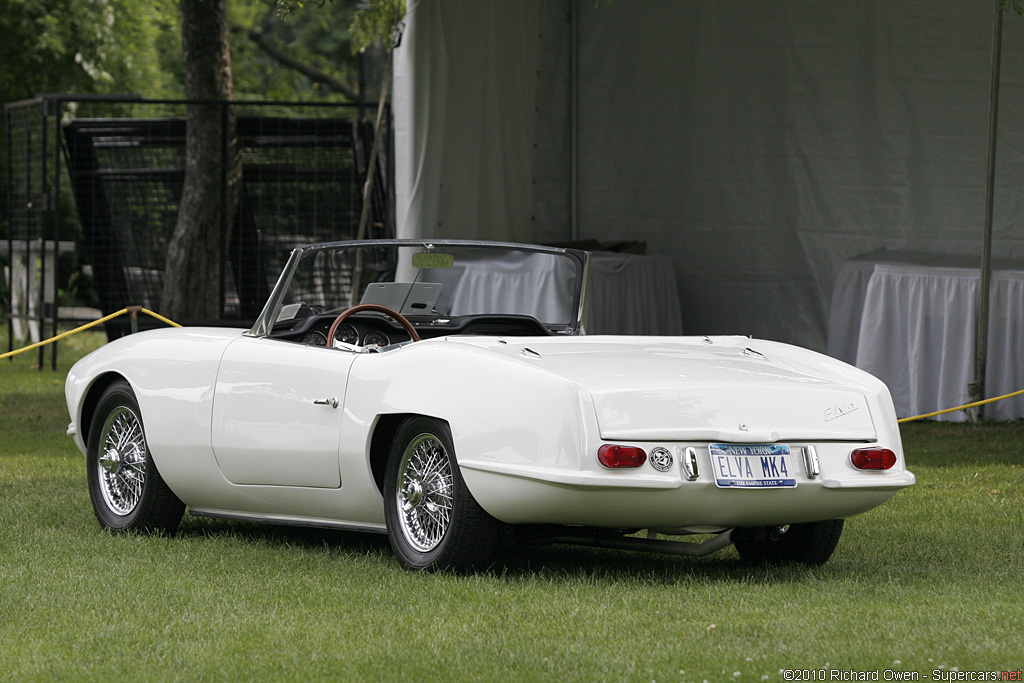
pixel 94 185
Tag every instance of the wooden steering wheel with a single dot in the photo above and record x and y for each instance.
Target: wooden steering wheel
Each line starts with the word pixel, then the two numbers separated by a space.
pixel 398 317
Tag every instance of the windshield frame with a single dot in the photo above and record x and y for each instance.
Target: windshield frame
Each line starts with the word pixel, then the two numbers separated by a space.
pixel 580 260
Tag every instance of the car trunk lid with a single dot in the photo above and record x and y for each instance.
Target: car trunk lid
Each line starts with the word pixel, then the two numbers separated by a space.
pixel 689 389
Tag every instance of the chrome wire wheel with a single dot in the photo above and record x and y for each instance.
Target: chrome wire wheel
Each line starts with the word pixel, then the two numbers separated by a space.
pixel 121 466
pixel 424 495
pixel 125 486
pixel 433 521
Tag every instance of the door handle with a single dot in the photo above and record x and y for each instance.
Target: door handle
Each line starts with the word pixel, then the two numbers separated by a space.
pixel 332 402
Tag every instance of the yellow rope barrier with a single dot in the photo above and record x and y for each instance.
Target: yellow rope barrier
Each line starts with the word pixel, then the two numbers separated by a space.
pixel 159 317
pixel 94 323
pixel 953 410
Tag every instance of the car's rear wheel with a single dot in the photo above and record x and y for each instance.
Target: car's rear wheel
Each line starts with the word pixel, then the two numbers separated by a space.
pixel 812 543
pixel 433 520
pixel 126 489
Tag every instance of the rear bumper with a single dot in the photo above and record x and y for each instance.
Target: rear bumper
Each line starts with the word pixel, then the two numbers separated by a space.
pixel 522 493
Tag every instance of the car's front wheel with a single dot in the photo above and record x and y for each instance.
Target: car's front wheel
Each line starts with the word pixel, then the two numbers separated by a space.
pixel 812 543
pixel 126 489
pixel 433 520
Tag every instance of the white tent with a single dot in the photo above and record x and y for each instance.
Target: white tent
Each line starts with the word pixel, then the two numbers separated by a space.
pixel 759 144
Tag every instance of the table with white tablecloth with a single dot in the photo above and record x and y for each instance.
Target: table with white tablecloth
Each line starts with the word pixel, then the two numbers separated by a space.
pixel 910 320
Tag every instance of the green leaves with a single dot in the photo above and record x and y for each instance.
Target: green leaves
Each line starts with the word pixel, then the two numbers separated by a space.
pixel 373 25
pixel 311 33
pixel 88 46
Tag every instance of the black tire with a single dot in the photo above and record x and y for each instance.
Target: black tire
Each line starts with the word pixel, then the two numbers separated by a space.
pixel 125 486
pixel 433 521
pixel 812 543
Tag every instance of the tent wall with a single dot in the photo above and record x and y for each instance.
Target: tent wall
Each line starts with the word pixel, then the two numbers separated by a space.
pixel 758 144
pixel 468 87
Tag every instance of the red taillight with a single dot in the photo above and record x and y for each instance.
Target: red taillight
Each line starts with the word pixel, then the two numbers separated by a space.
pixel 621 456
pixel 873 458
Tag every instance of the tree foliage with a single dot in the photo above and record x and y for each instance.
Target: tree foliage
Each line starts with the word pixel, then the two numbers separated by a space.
pixel 126 46
pixel 88 46
pixel 293 55
pixel 373 22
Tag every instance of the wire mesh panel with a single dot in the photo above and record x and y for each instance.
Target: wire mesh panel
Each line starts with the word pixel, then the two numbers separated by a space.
pixel 126 176
pixel 28 277
pixel 25 153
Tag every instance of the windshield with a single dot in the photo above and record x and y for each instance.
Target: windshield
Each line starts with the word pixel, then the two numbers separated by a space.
pixel 430 281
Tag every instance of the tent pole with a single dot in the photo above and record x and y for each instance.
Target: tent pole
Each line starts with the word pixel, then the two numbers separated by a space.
pixel 574 107
pixel 976 390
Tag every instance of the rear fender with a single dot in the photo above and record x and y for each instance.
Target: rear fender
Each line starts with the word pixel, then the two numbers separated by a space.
pixel 499 410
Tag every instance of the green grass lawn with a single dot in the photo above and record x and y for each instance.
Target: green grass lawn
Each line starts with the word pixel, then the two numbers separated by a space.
pixel 934 578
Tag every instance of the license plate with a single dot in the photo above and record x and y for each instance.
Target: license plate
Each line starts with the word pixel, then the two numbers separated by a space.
pixel 752 466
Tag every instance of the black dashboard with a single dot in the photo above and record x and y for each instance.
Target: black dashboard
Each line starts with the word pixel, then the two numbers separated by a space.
pixel 373 329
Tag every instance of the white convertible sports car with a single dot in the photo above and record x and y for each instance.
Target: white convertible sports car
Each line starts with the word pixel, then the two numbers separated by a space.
pixel 444 393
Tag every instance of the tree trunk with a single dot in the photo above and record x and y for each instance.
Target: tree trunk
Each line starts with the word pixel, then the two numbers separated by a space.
pixel 192 278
